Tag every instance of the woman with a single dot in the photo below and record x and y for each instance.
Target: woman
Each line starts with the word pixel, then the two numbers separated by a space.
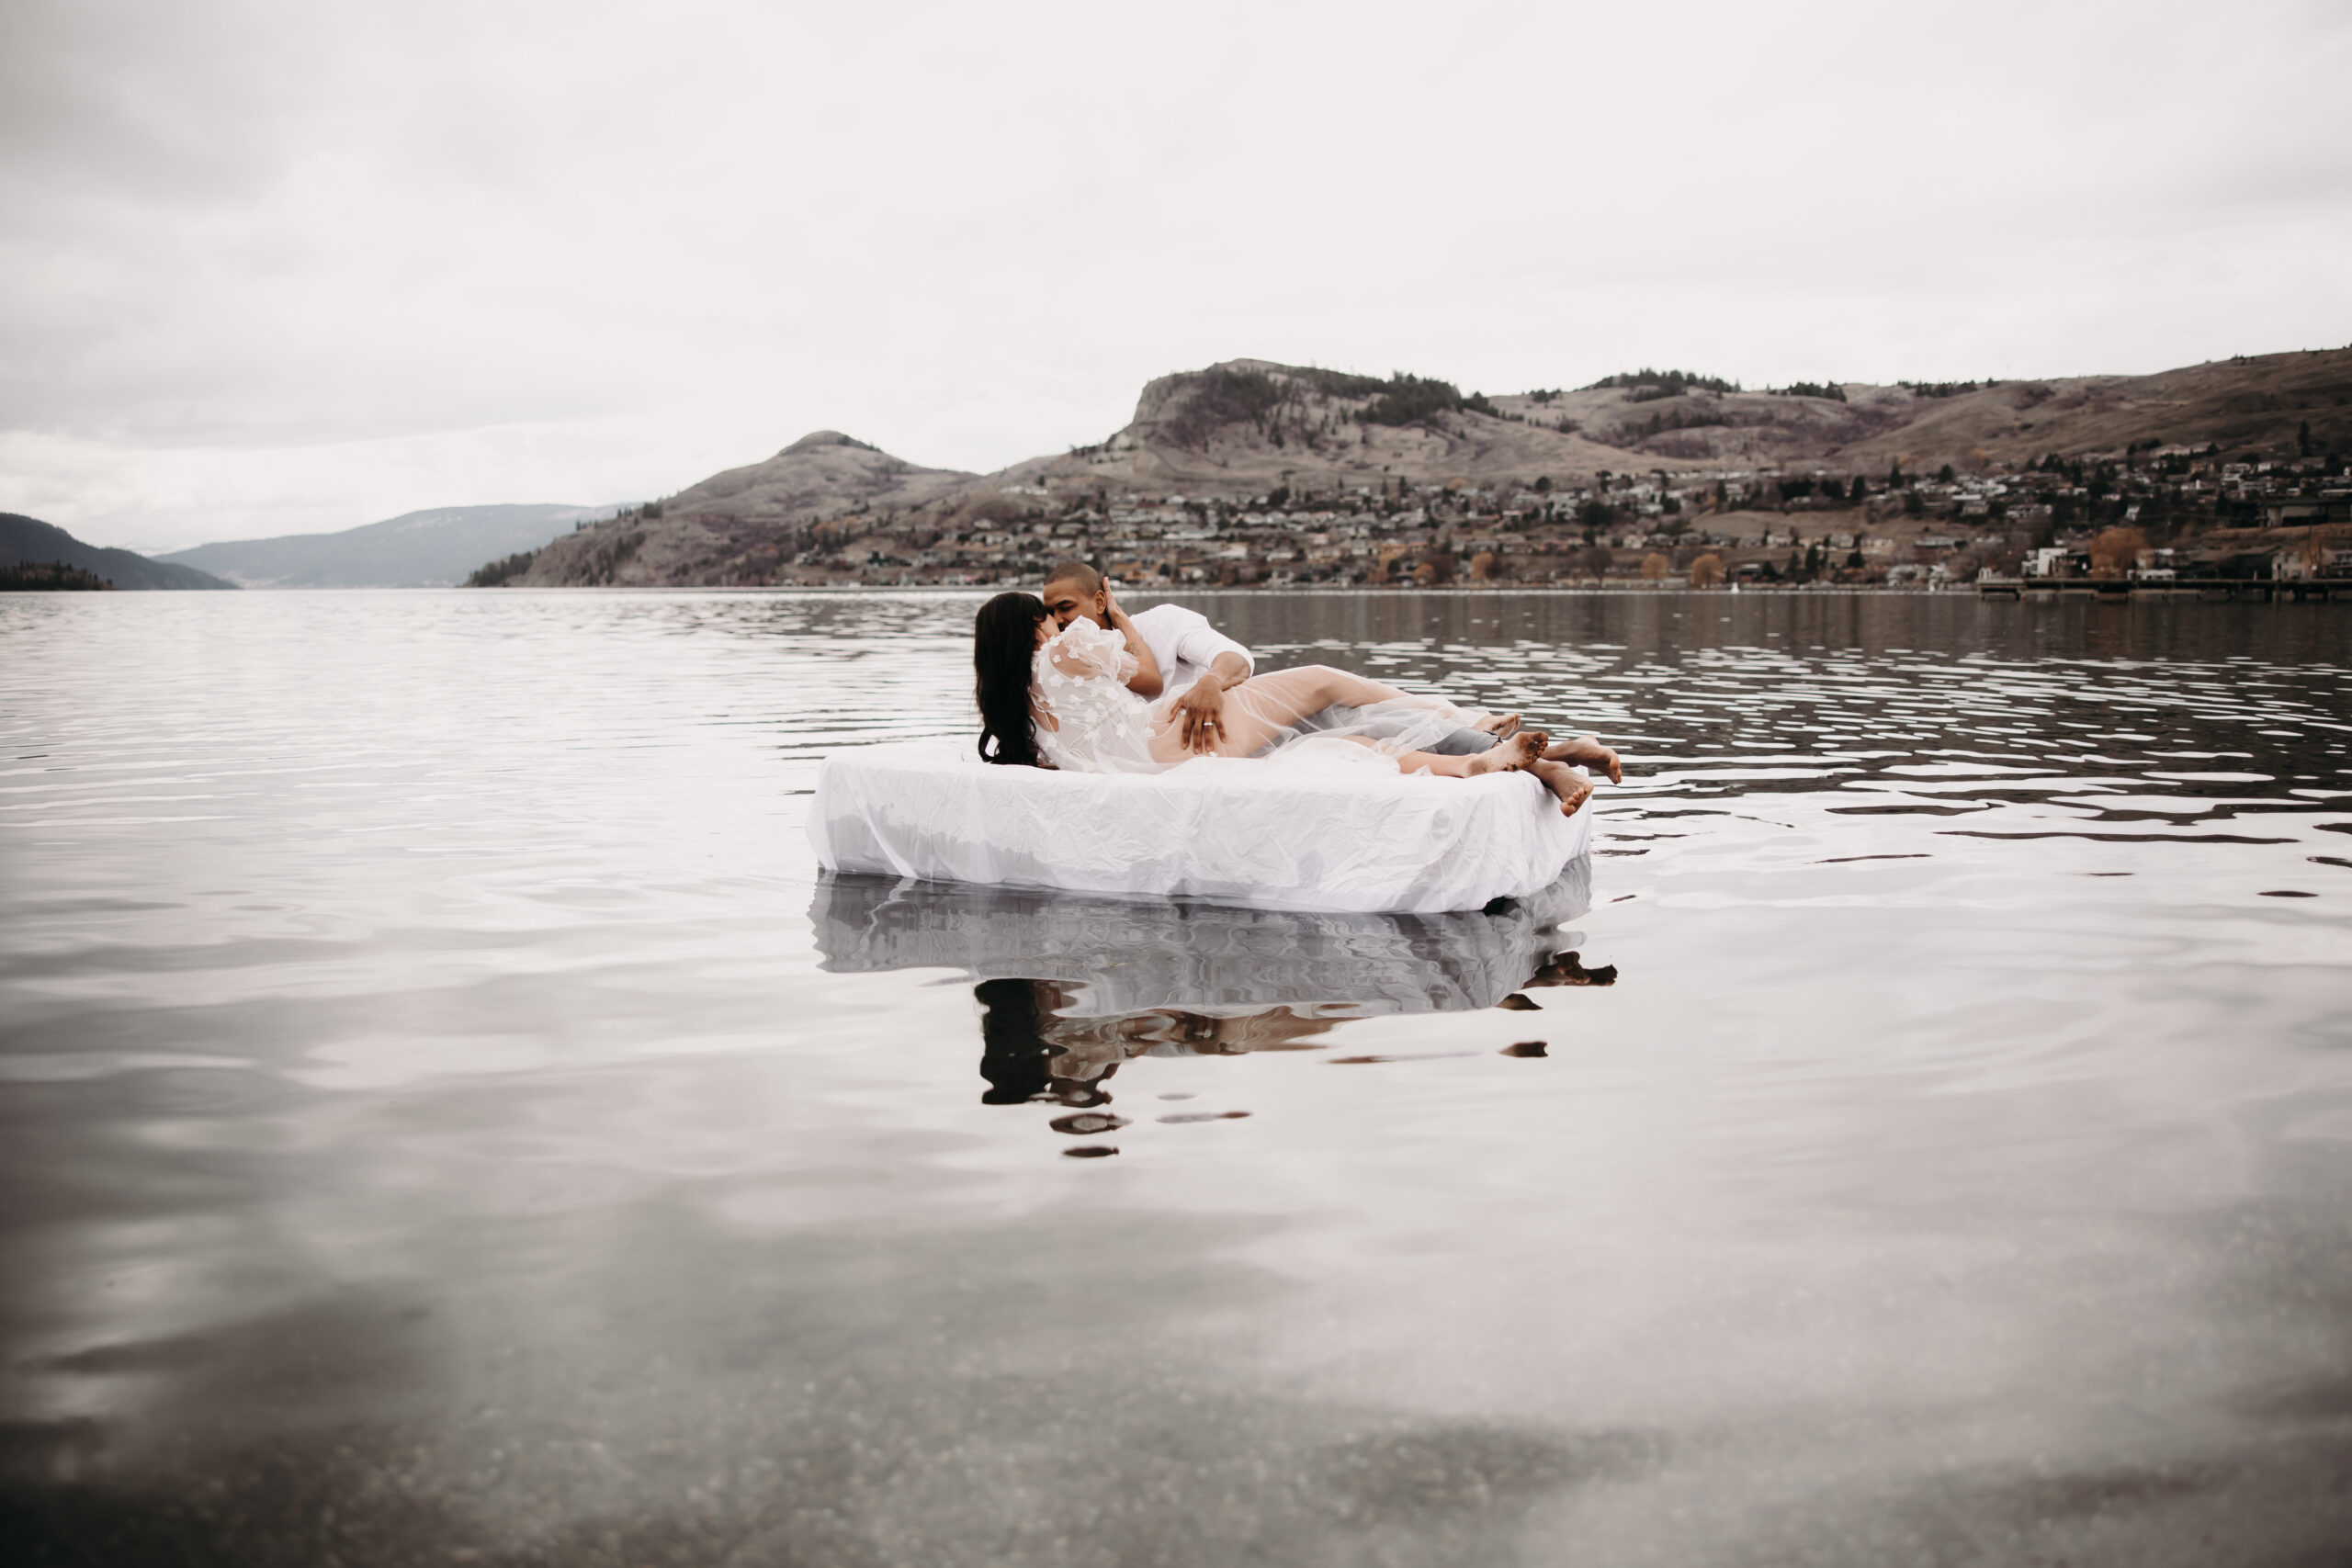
pixel 1058 698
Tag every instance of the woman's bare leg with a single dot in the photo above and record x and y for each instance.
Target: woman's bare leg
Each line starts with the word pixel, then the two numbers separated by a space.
pixel 1266 706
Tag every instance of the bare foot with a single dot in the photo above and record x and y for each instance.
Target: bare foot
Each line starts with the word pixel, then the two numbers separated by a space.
pixel 1590 753
pixel 1523 750
pixel 1501 725
pixel 1573 788
pixel 1568 969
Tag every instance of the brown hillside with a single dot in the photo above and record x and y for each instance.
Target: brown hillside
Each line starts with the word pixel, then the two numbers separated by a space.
pixel 716 530
pixel 1245 426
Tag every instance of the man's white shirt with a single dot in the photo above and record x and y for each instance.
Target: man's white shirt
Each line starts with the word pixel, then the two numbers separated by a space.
pixel 1185 644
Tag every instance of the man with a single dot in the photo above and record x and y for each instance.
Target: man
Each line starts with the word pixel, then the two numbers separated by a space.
pixel 1200 663
pixel 1196 658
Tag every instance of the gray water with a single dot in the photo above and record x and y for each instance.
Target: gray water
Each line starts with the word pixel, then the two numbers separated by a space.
pixel 446 1118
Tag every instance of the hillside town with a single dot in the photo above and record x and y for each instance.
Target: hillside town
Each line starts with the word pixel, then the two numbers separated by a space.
pixel 1250 473
pixel 2149 515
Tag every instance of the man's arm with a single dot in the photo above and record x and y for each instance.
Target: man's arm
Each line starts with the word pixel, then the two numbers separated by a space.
pixel 1150 680
pixel 1147 665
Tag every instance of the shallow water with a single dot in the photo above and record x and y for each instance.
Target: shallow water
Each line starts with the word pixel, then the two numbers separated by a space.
pixel 446 1118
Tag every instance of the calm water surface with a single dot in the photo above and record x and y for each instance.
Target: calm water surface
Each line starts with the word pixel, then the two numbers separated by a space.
pixel 446 1118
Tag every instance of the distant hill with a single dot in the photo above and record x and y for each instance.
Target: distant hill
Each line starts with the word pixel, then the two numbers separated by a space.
pixel 706 533
pixel 416 550
pixel 1247 426
pixel 28 541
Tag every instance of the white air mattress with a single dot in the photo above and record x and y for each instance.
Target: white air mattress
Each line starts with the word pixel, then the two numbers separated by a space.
pixel 1260 833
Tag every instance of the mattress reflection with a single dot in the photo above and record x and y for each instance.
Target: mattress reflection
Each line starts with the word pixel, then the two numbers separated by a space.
pixel 1070 987
pixel 1111 956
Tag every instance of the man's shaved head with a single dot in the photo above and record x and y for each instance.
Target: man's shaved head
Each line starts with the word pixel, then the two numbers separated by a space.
pixel 1078 574
pixel 1075 589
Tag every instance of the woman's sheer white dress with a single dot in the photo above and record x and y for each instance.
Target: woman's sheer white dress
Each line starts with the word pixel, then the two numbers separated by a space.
pixel 1087 721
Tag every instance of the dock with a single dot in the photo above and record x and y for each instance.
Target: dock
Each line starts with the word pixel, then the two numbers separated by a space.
pixel 2213 589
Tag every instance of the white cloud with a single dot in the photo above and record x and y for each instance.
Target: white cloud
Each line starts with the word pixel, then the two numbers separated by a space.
pixel 279 266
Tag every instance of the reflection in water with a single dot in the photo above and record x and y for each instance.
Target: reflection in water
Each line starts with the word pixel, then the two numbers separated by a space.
pixel 1033 1049
pixel 1071 987
pixel 1114 957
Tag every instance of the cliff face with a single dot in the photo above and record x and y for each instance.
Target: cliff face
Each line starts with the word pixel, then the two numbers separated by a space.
pixel 1245 426
pixel 1248 424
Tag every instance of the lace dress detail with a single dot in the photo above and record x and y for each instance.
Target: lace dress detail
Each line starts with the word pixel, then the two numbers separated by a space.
pixel 1088 722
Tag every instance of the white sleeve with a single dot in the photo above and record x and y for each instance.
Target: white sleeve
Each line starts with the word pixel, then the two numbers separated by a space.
pixel 1084 651
pixel 1199 643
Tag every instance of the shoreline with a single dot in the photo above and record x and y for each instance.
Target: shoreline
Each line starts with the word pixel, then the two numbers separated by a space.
pixel 2069 587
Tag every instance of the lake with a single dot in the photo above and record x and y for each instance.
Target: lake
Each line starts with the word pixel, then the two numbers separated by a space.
pixel 448 1117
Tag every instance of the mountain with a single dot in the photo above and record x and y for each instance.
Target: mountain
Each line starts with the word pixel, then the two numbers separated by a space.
pixel 1246 426
pixel 731 522
pixel 28 540
pixel 1250 423
pixel 416 550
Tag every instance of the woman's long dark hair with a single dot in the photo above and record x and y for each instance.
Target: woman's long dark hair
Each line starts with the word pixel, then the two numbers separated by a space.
pixel 1004 641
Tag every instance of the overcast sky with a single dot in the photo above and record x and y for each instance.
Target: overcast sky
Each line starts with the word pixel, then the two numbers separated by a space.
pixel 276 267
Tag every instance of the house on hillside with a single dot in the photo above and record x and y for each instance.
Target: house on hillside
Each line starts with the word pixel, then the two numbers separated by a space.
pixel 2305 510
pixel 2057 561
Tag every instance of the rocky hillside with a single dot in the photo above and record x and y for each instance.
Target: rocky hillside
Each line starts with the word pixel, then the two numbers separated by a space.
pixel 739 525
pixel 1246 426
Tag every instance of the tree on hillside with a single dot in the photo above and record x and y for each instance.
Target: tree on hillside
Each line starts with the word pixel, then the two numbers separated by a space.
pixel 499 573
pixel 2115 551
pixel 1666 383
pixel 1707 572
pixel 51 577
pixel 1654 565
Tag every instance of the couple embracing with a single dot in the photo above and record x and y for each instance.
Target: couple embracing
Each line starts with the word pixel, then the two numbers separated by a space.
pixel 1072 681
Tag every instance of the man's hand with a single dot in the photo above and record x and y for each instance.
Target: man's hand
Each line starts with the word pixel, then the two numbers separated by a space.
pixel 1201 711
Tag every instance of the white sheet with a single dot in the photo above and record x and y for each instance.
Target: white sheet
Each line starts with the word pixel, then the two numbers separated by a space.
pixel 1242 832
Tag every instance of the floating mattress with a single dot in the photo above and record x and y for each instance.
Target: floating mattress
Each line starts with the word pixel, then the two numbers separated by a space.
pixel 1258 833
